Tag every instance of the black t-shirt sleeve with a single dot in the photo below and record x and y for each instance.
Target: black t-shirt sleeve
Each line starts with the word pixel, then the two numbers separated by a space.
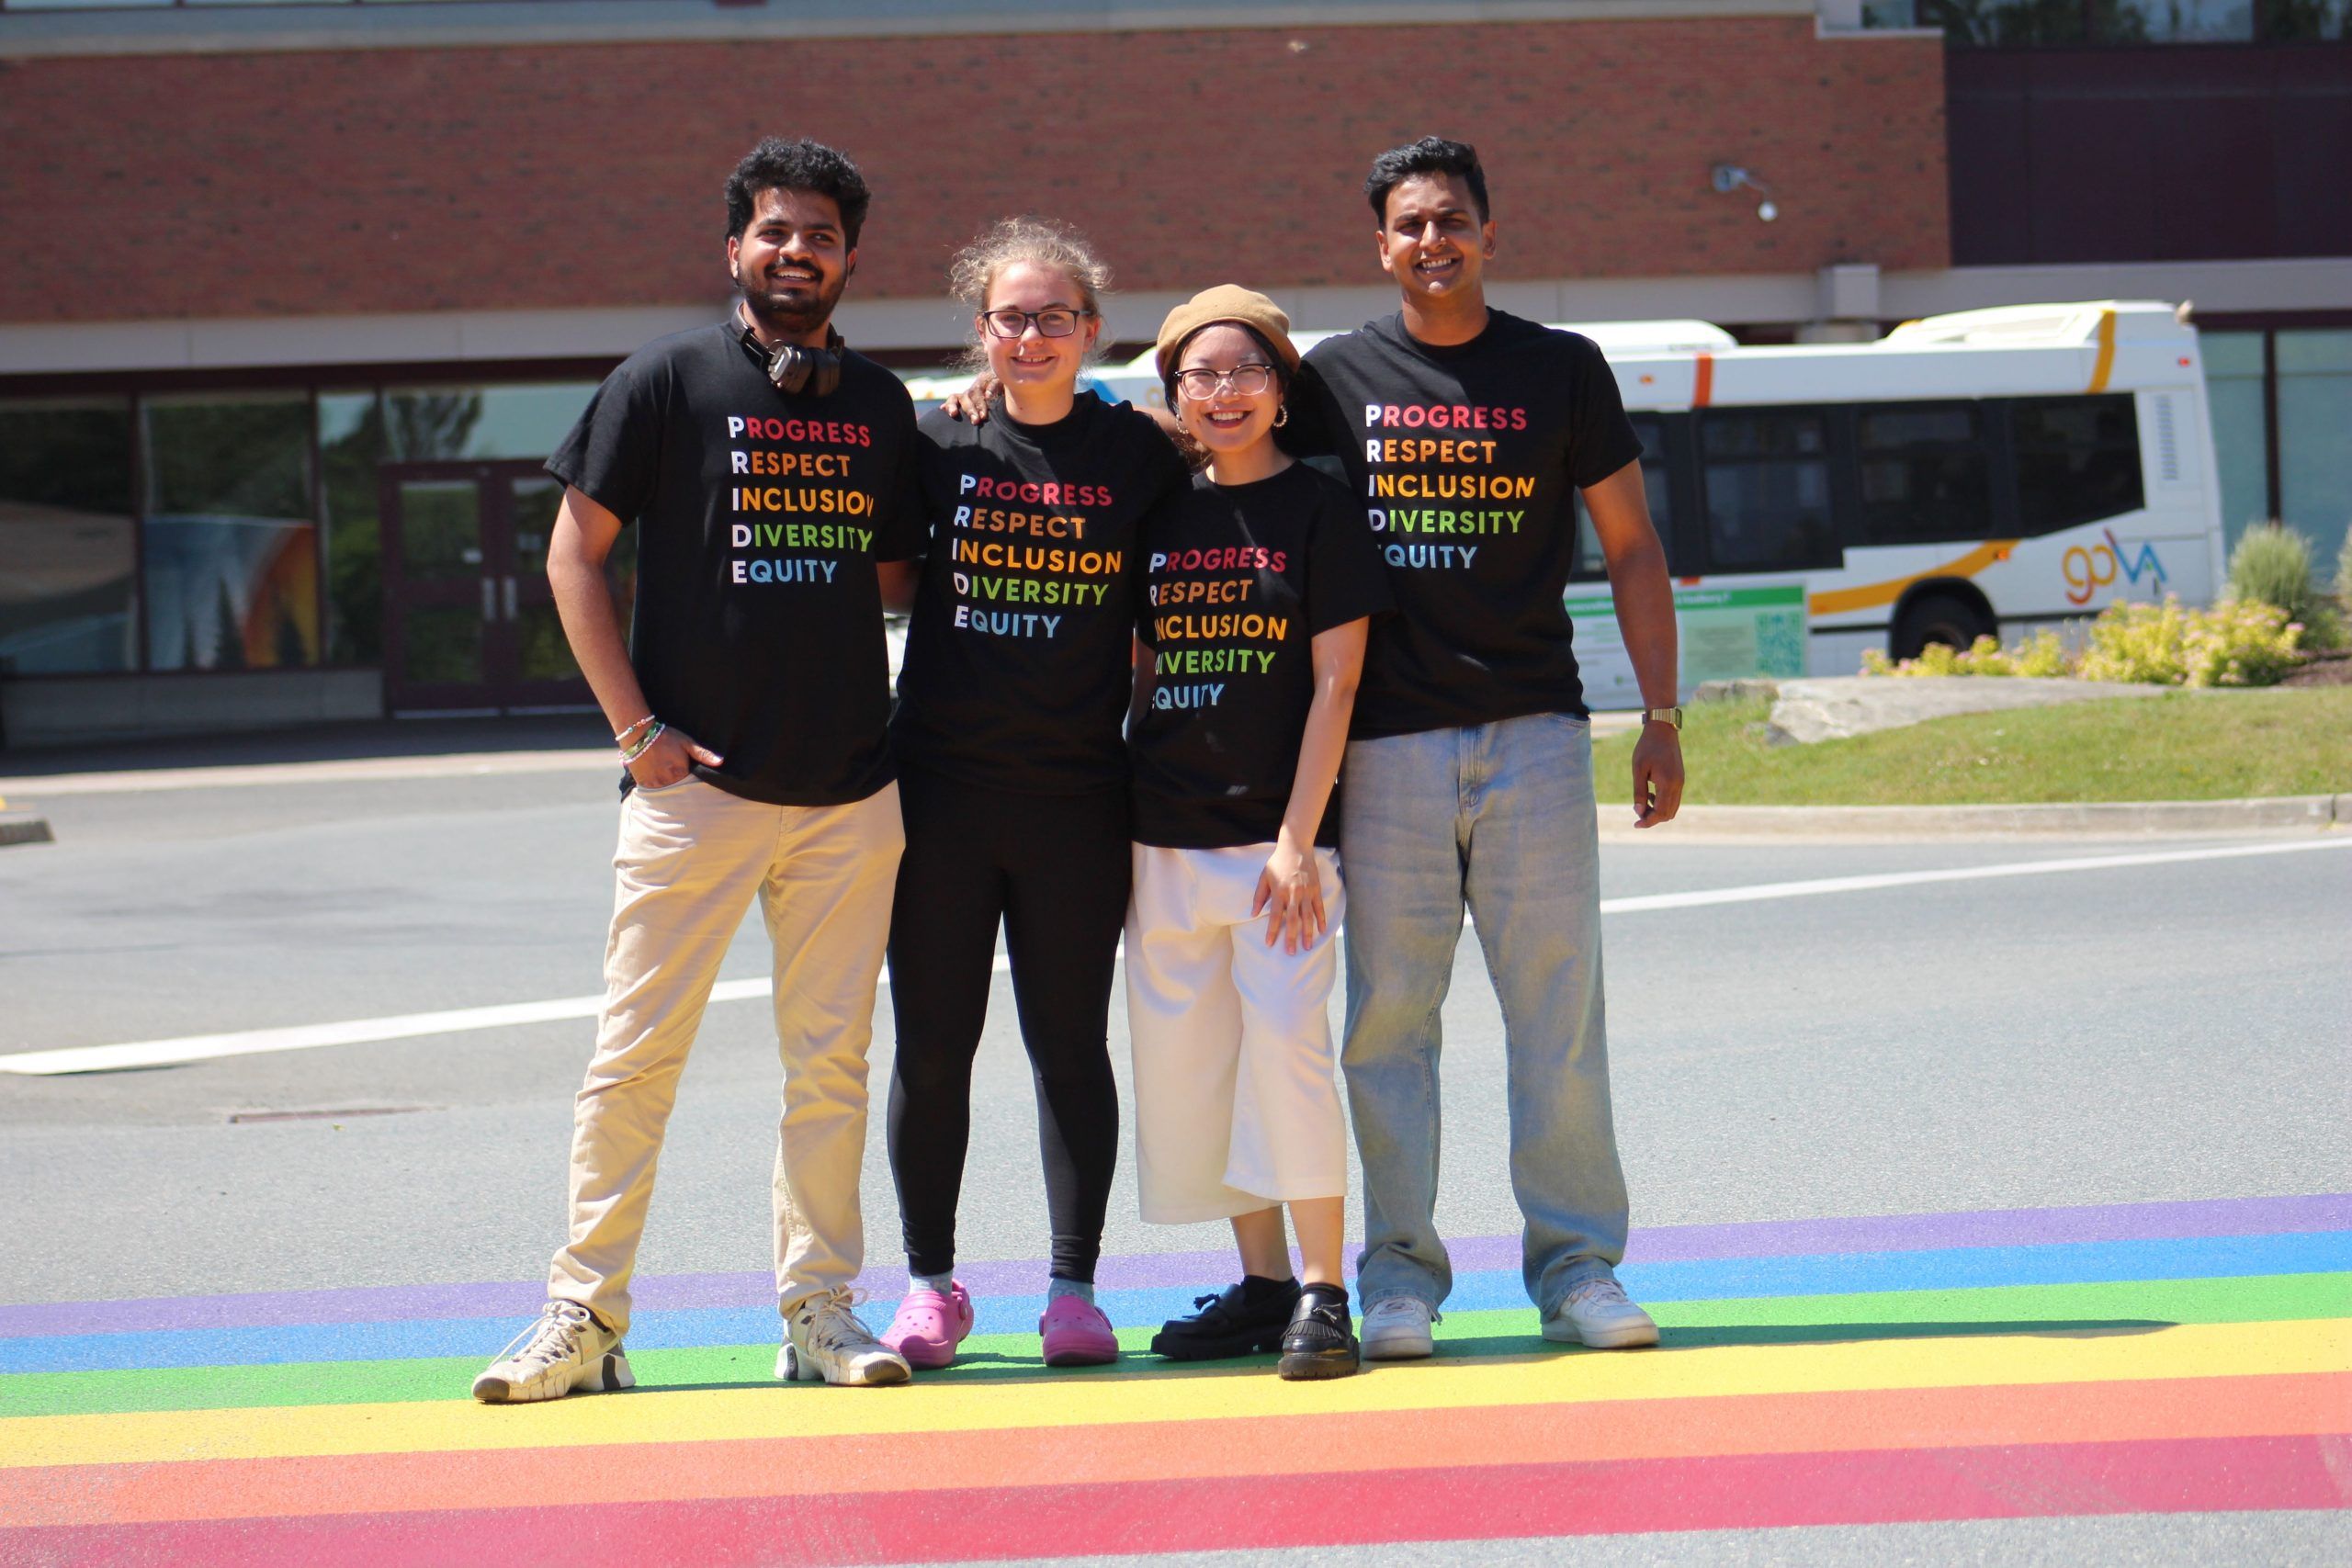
pixel 614 453
pixel 1600 438
pixel 903 530
pixel 1316 427
pixel 1346 579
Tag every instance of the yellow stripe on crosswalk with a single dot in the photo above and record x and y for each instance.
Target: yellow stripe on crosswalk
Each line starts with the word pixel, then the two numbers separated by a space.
pixel 2321 1345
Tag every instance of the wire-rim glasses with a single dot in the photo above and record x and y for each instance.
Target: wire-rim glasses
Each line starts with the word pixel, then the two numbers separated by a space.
pixel 1245 381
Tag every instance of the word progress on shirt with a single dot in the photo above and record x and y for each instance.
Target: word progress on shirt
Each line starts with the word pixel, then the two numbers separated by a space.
pixel 1430 487
pixel 1213 607
pixel 782 493
pixel 1016 543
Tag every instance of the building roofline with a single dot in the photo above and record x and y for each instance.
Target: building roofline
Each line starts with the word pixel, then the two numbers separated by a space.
pixel 228 29
pixel 509 337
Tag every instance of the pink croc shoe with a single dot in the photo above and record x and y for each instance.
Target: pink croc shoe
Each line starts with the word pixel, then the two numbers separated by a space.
pixel 1077 1333
pixel 928 1326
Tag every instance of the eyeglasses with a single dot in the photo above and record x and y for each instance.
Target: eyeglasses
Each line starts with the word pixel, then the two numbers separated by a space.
pixel 1055 322
pixel 1246 381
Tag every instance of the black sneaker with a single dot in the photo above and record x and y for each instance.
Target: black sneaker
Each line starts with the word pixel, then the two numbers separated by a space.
pixel 1319 1342
pixel 1246 1319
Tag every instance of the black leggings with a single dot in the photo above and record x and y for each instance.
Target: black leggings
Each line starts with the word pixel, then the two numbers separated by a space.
pixel 1055 868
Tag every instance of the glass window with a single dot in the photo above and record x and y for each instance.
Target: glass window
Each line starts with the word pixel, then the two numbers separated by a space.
pixel 2078 459
pixel 1590 562
pixel 429 424
pixel 1925 473
pixel 2004 24
pixel 1767 479
pixel 351 442
pixel 68 564
pixel 2315 439
pixel 2174 21
pixel 2241 429
pixel 231 551
pixel 2296 21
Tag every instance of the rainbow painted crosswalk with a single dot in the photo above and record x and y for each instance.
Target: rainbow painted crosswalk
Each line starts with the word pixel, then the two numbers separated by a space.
pixel 2121 1358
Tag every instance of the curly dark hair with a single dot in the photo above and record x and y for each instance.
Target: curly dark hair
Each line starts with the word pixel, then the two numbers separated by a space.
pixel 1430 155
pixel 778 164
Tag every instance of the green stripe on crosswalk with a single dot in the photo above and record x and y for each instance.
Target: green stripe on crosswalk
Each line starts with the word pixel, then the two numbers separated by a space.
pixel 2118 1307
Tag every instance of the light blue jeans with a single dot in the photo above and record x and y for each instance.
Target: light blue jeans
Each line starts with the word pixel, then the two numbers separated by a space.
pixel 1498 816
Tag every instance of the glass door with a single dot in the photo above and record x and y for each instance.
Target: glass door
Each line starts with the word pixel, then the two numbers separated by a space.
pixel 471 623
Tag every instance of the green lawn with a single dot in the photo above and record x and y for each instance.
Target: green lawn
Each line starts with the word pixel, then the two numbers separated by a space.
pixel 2184 746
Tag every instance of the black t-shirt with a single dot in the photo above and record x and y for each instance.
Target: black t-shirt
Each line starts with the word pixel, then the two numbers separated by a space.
pixel 1466 459
pixel 758 627
pixel 1238 582
pixel 1017 669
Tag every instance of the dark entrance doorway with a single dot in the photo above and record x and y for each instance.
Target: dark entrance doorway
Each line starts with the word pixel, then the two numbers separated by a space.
pixel 469 623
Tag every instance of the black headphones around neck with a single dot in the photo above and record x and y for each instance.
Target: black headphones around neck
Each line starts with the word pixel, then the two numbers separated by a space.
pixel 793 368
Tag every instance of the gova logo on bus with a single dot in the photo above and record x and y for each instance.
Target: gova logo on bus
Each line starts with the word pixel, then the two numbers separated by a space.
pixel 2090 568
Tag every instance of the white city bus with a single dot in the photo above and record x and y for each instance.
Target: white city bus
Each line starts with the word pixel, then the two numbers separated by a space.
pixel 1993 471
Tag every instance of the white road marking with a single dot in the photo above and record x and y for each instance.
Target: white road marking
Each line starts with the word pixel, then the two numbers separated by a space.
pixel 365 1031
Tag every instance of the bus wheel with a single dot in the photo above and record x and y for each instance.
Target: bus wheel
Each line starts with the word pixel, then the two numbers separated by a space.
pixel 1946 618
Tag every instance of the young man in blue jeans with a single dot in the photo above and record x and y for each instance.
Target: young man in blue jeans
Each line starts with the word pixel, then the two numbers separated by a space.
pixel 1469 772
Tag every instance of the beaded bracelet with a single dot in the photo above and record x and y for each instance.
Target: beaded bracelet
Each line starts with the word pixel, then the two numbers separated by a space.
pixel 644 742
pixel 620 735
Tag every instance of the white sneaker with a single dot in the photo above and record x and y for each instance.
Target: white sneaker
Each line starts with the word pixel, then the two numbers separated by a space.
pixel 1598 1312
pixel 566 1350
pixel 1397 1329
pixel 828 1341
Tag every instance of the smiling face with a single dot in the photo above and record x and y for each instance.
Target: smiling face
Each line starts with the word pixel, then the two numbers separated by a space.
pixel 791 261
pixel 1228 420
pixel 1034 363
pixel 1433 242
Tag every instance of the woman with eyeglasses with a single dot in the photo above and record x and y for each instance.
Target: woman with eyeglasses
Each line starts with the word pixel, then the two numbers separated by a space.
pixel 1013 772
pixel 1260 581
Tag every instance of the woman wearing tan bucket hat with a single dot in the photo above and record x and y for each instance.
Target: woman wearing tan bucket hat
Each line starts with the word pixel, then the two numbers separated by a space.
pixel 1259 582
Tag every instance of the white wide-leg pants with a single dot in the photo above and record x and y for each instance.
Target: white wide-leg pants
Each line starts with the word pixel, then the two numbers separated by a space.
pixel 1236 1107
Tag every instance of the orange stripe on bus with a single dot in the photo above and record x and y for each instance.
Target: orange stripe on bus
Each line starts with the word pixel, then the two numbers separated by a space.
pixel 1702 386
pixel 2105 363
pixel 1869 596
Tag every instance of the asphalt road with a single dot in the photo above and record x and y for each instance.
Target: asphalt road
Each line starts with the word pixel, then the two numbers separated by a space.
pixel 2175 1030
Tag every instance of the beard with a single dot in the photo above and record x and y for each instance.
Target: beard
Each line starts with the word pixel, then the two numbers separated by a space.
pixel 802 311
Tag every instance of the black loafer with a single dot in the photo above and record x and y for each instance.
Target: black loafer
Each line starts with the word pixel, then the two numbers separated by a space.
pixel 1229 1324
pixel 1320 1342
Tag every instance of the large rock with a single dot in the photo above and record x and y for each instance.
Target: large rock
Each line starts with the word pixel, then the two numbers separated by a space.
pixel 1838 707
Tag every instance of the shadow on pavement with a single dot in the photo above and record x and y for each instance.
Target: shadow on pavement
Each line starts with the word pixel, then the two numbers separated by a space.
pixel 987 1366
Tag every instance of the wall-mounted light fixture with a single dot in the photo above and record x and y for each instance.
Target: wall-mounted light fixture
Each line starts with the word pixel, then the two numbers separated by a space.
pixel 1729 177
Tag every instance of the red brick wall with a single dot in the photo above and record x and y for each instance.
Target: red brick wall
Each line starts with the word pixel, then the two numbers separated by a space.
pixel 590 175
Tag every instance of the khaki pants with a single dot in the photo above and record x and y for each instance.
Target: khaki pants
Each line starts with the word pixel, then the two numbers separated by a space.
pixel 691 857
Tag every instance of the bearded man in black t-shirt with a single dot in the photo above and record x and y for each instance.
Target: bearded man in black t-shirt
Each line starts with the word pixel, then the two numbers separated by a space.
pixel 1468 432
pixel 772 476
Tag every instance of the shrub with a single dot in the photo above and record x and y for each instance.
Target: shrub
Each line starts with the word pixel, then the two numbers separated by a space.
pixel 2042 655
pixel 2272 563
pixel 2238 642
pixel 2344 570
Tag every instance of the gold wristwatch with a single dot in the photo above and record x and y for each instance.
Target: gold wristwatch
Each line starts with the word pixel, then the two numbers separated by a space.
pixel 1663 716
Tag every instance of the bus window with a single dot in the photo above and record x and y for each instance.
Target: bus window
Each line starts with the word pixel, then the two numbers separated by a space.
pixel 1925 473
pixel 2078 459
pixel 1766 476
pixel 1590 563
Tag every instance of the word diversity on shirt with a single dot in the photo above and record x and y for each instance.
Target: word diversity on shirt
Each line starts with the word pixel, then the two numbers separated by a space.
pixel 1211 624
pixel 817 494
pixel 994 521
pixel 1398 470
